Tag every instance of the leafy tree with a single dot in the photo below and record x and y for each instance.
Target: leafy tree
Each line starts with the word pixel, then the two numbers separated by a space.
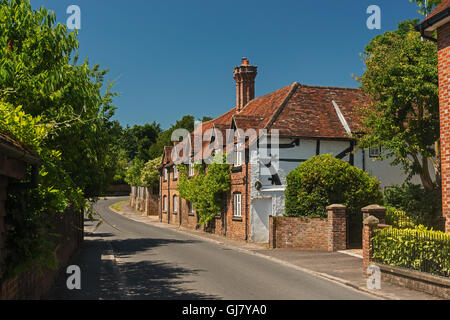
pixel 150 174
pixel 401 78
pixel 134 173
pixel 426 6
pixel 165 138
pixel 39 71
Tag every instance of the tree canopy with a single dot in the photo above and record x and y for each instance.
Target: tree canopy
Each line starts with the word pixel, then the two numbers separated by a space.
pixel 402 79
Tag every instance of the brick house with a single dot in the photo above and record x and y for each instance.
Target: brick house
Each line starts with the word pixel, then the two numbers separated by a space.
pixel 439 20
pixel 311 120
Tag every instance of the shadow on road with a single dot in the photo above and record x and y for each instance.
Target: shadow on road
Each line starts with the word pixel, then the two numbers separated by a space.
pixel 138 275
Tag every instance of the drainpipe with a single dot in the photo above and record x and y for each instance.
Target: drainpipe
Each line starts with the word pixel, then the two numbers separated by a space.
pixel 168 197
pixel 246 199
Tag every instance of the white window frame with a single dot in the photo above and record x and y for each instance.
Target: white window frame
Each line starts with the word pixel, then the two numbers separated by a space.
pixel 165 174
pixel 191 169
pixel 238 155
pixel 374 152
pixel 165 203
pixel 175 173
pixel 190 207
pixel 237 206
pixel 175 203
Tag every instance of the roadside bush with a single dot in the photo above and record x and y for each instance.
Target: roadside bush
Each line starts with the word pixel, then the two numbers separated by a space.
pixel 418 249
pixel 324 180
pixel 421 206
pixel 398 219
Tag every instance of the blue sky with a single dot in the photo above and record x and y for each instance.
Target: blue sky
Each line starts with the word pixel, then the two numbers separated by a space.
pixel 172 58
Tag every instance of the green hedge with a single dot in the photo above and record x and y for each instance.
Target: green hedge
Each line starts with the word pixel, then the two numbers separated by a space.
pixel 324 180
pixel 418 249
pixel 422 206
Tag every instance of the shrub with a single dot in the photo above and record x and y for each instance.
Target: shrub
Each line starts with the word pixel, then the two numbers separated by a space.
pixel 324 180
pixel 418 249
pixel 422 206
pixel 150 174
pixel 398 219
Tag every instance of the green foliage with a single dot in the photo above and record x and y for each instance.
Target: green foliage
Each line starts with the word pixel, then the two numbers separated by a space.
pixel 134 173
pixel 64 118
pixel 421 206
pixel 398 219
pixel 324 180
pixel 37 72
pixel 29 210
pixel 165 138
pixel 150 174
pixel 138 140
pixel 418 249
pixel 402 79
pixel 426 6
pixel 207 189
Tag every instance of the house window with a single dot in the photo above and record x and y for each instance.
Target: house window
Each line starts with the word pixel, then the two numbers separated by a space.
pixel 165 174
pixel 175 173
pixel 175 204
pixel 190 208
pixel 165 203
pixel 238 155
pixel 191 169
pixel 374 152
pixel 237 207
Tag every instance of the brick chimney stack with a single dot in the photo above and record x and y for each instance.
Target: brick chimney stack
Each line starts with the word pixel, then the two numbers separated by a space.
pixel 245 76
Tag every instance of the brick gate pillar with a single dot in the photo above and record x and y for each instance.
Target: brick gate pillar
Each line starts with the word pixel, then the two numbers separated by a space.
pixel 370 223
pixel 337 227
pixel 375 210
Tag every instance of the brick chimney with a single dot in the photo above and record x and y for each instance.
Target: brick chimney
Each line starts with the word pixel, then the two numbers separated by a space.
pixel 245 76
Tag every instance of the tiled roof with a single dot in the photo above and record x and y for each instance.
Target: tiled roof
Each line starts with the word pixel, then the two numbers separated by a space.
pixel 439 8
pixel 304 111
pixel 296 111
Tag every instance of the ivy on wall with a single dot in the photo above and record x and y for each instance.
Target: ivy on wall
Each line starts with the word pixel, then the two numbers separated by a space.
pixel 207 189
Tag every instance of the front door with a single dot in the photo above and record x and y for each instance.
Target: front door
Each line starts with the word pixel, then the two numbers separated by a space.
pixel 261 210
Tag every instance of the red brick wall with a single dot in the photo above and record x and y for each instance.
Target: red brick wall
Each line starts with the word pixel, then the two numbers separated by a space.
pixel 444 96
pixel 238 228
pixel 234 228
pixel 310 233
pixel 298 233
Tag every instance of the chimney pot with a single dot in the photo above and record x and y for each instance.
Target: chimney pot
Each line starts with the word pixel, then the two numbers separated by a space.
pixel 244 75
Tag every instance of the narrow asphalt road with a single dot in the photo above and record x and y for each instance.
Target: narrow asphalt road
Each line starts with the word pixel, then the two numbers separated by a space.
pixel 125 259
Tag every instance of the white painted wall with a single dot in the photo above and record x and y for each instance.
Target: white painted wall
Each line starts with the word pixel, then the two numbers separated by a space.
pixel 260 210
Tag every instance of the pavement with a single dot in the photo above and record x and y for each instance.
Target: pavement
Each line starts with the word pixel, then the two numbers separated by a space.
pixel 131 256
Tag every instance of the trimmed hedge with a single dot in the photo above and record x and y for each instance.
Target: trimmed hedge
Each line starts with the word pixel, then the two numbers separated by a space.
pixel 418 249
pixel 324 180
